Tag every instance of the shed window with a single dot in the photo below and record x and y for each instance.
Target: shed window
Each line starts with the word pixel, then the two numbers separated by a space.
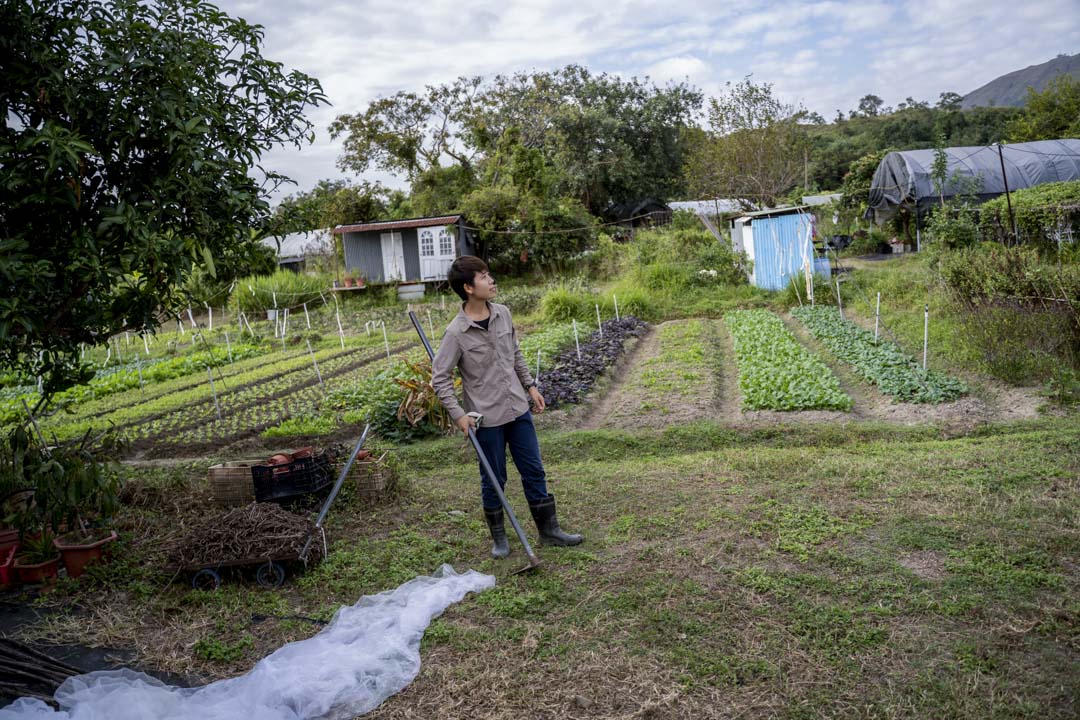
pixel 427 243
pixel 446 242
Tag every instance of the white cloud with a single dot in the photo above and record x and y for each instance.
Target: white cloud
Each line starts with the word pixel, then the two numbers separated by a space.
pixel 825 54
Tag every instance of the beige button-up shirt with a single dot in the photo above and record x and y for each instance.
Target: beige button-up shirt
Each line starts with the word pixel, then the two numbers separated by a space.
pixel 493 371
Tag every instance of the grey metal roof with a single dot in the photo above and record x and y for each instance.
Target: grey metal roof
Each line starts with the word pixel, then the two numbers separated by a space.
pixel 398 224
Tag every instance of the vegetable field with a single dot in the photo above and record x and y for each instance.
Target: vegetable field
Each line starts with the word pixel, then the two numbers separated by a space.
pixel 878 362
pixel 775 371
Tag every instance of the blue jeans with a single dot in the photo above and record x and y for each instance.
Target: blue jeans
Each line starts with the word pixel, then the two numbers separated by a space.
pixel 520 435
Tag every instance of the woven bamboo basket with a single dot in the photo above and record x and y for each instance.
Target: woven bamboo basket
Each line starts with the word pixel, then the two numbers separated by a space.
pixel 375 479
pixel 231 483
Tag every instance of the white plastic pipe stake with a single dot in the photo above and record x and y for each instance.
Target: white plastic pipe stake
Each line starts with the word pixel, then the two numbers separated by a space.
pixel 213 389
pixel 210 312
pixel 340 331
pixel 307 318
pixel 839 301
pixel 228 346
pixel 386 341
pixel 925 335
pixel 877 316
pixel 431 326
pixel 314 362
pixel 599 325
pixel 576 343
pixel 145 344
pixel 616 299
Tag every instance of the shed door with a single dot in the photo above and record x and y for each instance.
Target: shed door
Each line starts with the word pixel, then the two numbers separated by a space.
pixel 437 252
pixel 393 256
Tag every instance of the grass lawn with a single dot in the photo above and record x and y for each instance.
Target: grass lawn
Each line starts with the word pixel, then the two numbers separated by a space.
pixel 794 571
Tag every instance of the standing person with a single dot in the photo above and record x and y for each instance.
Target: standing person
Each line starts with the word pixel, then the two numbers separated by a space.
pixel 481 343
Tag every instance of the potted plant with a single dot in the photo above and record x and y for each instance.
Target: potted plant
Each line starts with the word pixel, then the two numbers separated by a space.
pixel 79 548
pixel 37 560
pixel 360 280
pixel 58 489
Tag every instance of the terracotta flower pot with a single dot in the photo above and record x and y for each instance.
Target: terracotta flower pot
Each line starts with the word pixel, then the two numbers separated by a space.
pixel 39 572
pixel 78 553
pixel 8 576
pixel 7 539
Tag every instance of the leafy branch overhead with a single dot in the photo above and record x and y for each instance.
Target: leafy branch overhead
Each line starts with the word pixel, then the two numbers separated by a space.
pixel 130 138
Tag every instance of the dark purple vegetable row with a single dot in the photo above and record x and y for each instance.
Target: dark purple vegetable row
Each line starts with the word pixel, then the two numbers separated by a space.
pixel 571 379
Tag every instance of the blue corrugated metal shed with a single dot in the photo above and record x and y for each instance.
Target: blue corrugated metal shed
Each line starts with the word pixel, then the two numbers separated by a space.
pixel 778 245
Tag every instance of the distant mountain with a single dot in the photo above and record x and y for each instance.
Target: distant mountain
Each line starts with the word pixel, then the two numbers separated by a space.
pixel 1010 90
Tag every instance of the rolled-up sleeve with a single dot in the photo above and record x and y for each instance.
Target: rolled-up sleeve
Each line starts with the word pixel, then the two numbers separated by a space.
pixel 442 374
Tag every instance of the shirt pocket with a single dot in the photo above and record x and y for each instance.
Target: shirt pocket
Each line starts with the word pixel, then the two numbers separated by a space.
pixel 505 342
pixel 478 354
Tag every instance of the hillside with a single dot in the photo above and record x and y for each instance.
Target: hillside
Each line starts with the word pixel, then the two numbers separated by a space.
pixel 1010 90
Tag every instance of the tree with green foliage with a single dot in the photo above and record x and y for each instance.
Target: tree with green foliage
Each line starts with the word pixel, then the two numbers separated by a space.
pixel 755 148
pixel 329 203
pixel 129 132
pixel 1051 114
pixel 606 139
pixel 870 106
pixel 409 133
pixel 520 218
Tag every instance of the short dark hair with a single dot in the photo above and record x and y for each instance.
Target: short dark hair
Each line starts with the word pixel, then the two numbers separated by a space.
pixel 464 271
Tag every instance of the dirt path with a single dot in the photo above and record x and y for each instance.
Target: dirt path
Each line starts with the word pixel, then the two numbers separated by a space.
pixel 617 396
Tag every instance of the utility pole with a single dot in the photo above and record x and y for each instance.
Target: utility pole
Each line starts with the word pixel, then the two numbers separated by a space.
pixel 1008 198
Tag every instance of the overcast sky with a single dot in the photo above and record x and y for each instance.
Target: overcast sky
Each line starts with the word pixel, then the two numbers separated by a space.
pixel 824 55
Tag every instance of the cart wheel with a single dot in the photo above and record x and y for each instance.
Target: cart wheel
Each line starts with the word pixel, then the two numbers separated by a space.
pixel 270 575
pixel 206 579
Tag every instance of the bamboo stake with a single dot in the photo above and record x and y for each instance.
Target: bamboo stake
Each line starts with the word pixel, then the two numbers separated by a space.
pixel 386 341
pixel 341 332
pixel 307 318
pixel 599 325
pixel 616 299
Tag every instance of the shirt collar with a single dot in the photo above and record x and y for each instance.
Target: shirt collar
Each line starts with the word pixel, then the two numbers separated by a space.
pixel 467 322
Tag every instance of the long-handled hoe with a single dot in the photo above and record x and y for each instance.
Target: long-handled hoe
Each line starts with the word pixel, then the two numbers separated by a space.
pixel 489 474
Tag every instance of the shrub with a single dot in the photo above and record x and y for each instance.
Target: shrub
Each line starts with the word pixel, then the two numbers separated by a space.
pixel 291 289
pixel 953 226
pixel 1042 213
pixel 561 304
pixel 1021 310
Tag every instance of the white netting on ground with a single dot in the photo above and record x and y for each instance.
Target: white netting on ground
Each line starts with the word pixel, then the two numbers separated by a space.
pixel 368 652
